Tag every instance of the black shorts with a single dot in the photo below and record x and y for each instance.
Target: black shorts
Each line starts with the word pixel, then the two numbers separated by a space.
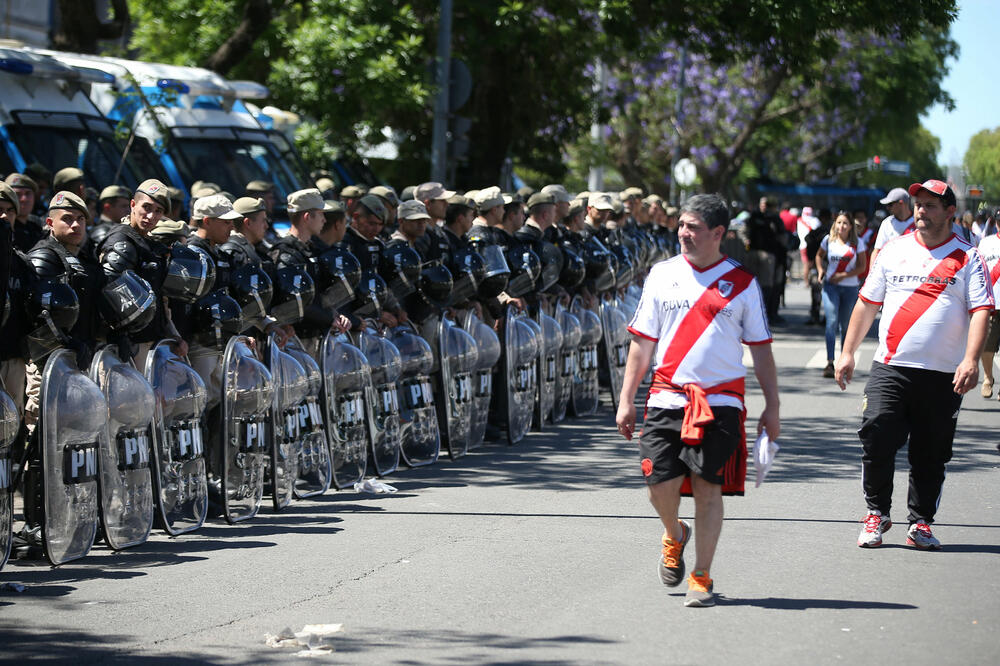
pixel 664 456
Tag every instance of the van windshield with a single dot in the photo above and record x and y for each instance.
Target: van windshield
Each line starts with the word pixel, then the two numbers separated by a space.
pixel 58 140
pixel 230 159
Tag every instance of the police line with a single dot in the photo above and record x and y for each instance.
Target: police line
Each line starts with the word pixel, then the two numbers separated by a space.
pixel 124 449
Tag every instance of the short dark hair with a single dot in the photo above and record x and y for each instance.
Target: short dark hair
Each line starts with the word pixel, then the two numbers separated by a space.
pixel 332 218
pixel 709 208
pixel 453 211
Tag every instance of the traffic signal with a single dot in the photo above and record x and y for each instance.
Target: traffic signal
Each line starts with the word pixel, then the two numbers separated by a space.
pixel 877 160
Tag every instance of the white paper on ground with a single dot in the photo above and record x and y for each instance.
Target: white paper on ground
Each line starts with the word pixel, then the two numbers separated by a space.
pixel 373 486
pixel 764 452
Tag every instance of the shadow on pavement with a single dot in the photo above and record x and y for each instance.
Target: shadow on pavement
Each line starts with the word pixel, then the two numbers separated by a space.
pixel 779 603
pixel 478 648
pixel 55 645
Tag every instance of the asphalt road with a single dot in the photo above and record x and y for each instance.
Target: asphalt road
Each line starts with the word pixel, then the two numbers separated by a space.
pixel 546 553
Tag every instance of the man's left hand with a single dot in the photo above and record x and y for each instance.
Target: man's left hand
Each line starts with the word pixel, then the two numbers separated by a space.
pixel 769 419
pixel 966 377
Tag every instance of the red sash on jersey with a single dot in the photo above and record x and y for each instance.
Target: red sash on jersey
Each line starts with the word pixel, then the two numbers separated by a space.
pixel 717 296
pixel 845 260
pixel 921 299
pixel 995 273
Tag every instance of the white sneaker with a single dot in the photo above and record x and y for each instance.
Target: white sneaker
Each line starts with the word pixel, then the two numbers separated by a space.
pixel 919 536
pixel 871 534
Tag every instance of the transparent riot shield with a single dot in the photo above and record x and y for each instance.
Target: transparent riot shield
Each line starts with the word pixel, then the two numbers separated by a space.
pixel 290 390
pixel 314 456
pixel 488 353
pixel 585 386
pixel 347 381
pixel 566 374
pixel 382 402
pixel 614 347
pixel 550 344
pixel 178 447
pixel 420 439
pixel 9 422
pixel 125 481
pixel 247 394
pixel 457 364
pixel 72 421
pixel 519 379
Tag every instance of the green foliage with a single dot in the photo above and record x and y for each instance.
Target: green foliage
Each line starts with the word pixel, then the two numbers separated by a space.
pixel 982 161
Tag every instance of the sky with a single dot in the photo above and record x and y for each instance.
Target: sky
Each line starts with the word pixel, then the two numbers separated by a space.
pixel 971 81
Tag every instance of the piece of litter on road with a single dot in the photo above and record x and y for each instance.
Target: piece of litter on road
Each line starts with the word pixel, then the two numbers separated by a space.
pixel 316 637
pixel 844 629
pixel 314 652
pixel 404 561
pixel 12 587
pixel 764 452
pixel 373 486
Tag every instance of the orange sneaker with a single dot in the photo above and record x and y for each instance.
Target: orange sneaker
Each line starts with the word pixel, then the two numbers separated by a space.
pixel 672 562
pixel 699 590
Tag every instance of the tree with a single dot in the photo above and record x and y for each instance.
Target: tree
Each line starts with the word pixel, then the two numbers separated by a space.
pixel 982 161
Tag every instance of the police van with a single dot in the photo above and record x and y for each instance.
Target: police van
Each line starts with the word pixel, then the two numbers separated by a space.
pixel 48 117
pixel 197 123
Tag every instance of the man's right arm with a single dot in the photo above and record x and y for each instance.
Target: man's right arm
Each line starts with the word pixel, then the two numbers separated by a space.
pixel 640 354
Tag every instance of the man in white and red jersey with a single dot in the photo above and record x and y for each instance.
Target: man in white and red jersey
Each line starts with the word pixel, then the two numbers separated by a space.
pixel 899 223
pixel 696 312
pixel 936 298
pixel 989 248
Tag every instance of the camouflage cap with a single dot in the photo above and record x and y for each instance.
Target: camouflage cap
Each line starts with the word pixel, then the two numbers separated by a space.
pixel 375 205
pixel 155 190
pixel 249 205
pixel 324 184
pixel 115 192
pixel 460 200
pixel 175 193
pixel 331 206
pixel 353 192
pixel 540 199
pixel 68 201
pixel 600 201
pixel 216 206
pixel 22 180
pixel 413 210
pixel 8 193
pixel 431 192
pixel 386 193
pixel 488 198
pixel 167 230
pixel 307 199
pixel 66 176
pixel 559 192
pixel 260 186
pixel 630 193
pixel 200 184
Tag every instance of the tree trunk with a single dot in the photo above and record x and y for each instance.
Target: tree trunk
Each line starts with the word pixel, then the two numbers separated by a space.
pixel 80 28
pixel 256 19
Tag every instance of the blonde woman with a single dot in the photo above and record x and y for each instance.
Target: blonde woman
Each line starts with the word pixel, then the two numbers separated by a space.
pixel 841 258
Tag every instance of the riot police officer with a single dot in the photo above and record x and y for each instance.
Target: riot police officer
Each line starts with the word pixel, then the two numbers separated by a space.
pixel 128 246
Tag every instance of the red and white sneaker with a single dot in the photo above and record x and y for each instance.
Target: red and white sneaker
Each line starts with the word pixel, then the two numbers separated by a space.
pixel 871 534
pixel 919 536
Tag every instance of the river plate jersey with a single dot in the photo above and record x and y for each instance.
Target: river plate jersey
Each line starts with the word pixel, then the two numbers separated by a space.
pixel 989 248
pixel 926 296
pixel 700 319
pixel 892 228
pixel 842 258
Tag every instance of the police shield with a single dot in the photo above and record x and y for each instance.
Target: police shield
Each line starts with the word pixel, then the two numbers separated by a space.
pixel 382 400
pixel 550 345
pixel 520 354
pixel 290 389
pixel 457 363
pixel 125 480
pixel 585 384
pixel 247 393
pixel 73 414
pixel 314 456
pixel 614 347
pixel 420 439
pixel 8 432
pixel 179 475
pixel 347 381
pixel 567 362
pixel 488 353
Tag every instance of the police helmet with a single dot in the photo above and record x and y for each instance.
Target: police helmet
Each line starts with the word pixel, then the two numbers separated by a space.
pixel 400 268
pixel 190 273
pixel 216 318
pixel 127 303
pixel 251 287
pixel 293 292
